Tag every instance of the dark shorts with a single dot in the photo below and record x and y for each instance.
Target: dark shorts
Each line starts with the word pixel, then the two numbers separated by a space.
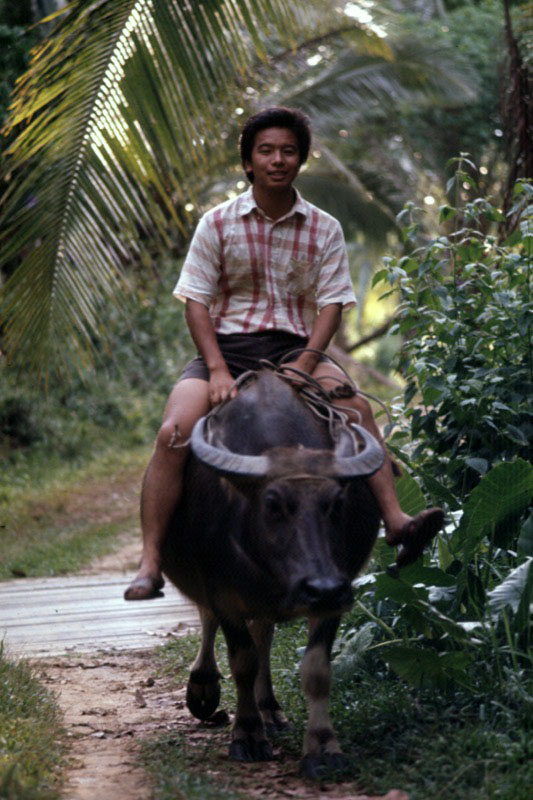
pixel 243 351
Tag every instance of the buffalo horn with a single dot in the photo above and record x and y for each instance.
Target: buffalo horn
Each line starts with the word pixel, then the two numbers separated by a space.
pixel 224 460
pixel 345 466
pixel 365 463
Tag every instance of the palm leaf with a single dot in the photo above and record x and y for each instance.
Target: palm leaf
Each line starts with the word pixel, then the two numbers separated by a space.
pixel 121 108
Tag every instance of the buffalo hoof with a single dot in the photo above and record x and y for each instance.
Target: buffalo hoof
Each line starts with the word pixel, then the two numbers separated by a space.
pixel 203 698
pixel 250 749
pixel 219 719
pixel 317 767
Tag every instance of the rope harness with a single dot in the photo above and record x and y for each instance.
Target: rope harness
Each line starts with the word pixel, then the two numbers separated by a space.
pixel 319 400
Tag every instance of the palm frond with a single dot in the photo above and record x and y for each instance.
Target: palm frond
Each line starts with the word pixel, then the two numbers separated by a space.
pixel 353 80
pixel 337 189
pixel 120 110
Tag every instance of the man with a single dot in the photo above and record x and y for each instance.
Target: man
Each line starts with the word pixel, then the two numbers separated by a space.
pixel 266 273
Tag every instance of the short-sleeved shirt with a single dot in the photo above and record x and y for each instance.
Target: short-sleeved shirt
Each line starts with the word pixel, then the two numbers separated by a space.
pixel 256 274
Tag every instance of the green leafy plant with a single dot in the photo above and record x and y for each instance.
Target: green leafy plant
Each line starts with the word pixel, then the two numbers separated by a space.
pixel 465 312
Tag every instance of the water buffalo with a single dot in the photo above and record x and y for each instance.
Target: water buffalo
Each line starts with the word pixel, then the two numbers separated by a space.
pixel 275 522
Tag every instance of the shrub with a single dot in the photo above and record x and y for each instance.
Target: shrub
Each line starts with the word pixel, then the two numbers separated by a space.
pixel 465 313
pixel 466 310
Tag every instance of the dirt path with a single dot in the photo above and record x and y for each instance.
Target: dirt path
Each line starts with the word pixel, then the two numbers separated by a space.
pixel 109 704
pixel 114 701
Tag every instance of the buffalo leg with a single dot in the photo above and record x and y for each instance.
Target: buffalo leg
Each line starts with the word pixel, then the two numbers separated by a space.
pixel 273 717
pixel 321 751
pixel 203 688
pixel 248 740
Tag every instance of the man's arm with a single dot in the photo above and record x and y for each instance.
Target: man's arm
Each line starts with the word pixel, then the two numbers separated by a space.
pixel 203 335
pixel 324 328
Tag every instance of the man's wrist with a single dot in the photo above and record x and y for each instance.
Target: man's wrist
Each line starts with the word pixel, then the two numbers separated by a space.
pixel 217 366
pixel 307 362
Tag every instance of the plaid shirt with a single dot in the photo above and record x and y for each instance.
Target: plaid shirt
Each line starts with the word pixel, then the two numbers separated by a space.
pixel 256 274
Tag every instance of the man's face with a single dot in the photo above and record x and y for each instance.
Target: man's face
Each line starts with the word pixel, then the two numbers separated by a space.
pixel 275 159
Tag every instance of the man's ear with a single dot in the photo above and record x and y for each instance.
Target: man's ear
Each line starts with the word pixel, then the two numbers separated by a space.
pixel 248 171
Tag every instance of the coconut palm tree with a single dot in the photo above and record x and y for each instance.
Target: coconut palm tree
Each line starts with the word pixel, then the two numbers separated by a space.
pixel 127 108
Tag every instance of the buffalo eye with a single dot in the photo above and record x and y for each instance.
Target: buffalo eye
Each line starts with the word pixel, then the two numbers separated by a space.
pixel 332 506
pixel 276 506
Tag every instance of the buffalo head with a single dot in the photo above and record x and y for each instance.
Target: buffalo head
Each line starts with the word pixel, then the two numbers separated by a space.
pixel 298 507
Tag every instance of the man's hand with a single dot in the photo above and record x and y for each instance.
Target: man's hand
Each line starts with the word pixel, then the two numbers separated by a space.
pixel 220 385
pixel 306 362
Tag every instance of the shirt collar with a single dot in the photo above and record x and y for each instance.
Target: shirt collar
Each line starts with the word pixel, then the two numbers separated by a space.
pixel 248 204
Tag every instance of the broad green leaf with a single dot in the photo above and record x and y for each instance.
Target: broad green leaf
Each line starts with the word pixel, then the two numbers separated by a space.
pixel 388 588
pixel 410 496
pixel 438 491
pixel 424 667
pixel 429 576
pixel 511 590
pixel 503 492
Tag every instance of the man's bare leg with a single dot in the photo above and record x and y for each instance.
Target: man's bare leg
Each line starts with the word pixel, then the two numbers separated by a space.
pixel 188 401
pixel 412 533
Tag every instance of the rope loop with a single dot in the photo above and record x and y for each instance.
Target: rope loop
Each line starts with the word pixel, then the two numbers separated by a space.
pixel 317 398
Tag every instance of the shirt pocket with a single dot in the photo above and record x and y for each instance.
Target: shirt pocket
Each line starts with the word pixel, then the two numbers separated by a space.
pixel 301 276
pixel 238 263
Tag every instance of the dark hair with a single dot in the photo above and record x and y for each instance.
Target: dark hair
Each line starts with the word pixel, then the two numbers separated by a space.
pixel 276 117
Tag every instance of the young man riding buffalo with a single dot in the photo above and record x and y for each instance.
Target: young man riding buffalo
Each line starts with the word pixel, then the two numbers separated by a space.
pixel 266 274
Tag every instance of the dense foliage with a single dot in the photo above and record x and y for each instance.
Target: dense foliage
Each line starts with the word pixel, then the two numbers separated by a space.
pixel 440 132
pixel 466 308
pixel 120 400
pixel 466 314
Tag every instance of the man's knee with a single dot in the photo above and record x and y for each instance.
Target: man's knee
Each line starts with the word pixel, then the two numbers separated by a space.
pixel 170 437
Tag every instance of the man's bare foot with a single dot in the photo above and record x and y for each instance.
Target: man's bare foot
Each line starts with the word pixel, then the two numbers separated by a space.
pixel 416 534
pixel 144 587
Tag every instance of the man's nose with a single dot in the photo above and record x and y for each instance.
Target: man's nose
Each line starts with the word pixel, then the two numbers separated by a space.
pixel 278 156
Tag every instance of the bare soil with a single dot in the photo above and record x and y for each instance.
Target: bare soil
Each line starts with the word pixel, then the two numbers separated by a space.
pixel 113 701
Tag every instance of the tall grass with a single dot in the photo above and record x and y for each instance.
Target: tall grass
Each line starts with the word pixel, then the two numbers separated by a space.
pixel 31 735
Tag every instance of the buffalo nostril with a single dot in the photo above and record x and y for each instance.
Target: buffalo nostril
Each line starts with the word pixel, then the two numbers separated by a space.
pixel 326 589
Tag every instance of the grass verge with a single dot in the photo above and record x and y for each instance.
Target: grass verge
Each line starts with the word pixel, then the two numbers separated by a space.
pixel 66 516
pixel 449 743
pixel 31 735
